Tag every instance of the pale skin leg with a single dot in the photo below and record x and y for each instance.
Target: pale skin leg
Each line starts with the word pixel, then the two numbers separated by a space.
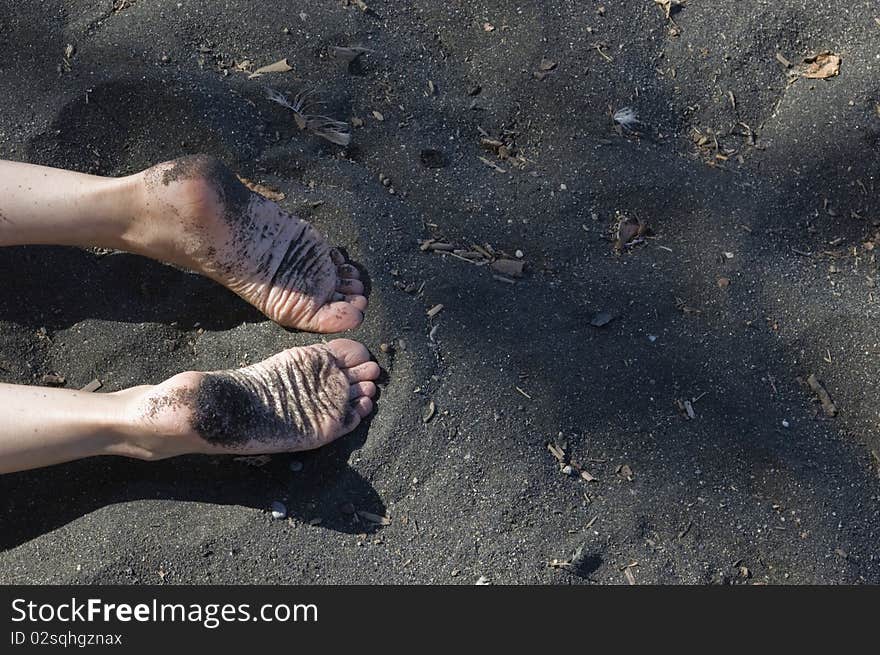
pixel 299 399
pixel 44 426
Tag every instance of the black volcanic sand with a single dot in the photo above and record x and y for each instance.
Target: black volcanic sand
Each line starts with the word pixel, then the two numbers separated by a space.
pixel 731 496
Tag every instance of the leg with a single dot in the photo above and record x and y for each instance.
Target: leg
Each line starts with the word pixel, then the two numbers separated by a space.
pixel 299 399
pixel 194 213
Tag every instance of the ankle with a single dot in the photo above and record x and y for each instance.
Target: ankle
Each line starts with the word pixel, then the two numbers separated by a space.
pixel 174 203
pixel 157 420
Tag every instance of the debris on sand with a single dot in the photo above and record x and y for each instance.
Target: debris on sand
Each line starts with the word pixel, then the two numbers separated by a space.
pixel 546 67
pixel 626 117
pixel 684 308
pixel 360 4
pixel 583 562
pixel 53 380
pixel 625 472
pixel 567 465
pixel 436 309
pixel 828 405
pixel 492 164
pixel 482 581
pixel 280 66
pixel 505 266
pixel 429 411
pixel 279 511
pixel 670 7
pixel 375 519
pixel 822 66
pixel 686 409
pixel 94 385
pixel 327 128
pixel 262 189
pixel 503 146
pixel 629 231
pixel 782 60
pixel 601 319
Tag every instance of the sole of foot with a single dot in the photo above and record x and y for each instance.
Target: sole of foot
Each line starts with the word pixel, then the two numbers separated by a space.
pixel 197 214
pixel 299 399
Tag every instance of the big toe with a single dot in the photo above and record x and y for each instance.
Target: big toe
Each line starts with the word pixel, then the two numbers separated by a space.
pixel 348 353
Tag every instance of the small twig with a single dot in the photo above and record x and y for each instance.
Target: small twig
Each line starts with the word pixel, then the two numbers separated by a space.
pixel 523 393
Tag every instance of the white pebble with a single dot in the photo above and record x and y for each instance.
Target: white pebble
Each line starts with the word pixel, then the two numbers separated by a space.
pixel 519 254
pixel 567 469
pixel 785 423
pixel 652 338
pixel 279 511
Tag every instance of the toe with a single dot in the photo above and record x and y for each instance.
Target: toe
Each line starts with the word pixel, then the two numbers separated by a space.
pixel 363 372
pixel 350 286
pixel 337 316
pixel 348 353
pixel 358 301
pixel 348 271
pixel 362 406
pixel 362 389
pixel 336 256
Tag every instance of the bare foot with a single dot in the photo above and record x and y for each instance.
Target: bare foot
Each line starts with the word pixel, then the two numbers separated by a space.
pixel 197 214
pixel 299 399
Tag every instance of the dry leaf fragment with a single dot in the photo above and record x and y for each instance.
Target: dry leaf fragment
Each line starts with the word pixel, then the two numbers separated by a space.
pixel 822 66
pixel 628 230
pixel 511 267
pixel 263 190
pixel 378 116
pixel 547 64
pixel 357 122
pixel 280 66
